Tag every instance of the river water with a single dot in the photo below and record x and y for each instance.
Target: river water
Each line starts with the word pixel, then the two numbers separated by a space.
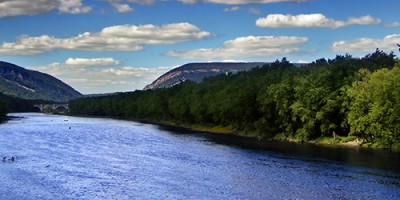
pixel 61 157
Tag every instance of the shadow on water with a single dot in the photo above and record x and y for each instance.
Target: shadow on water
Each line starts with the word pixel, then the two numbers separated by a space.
pixel 354 156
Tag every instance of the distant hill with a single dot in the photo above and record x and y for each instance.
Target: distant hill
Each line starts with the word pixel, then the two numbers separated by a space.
pixel 28 84
pixel 198 71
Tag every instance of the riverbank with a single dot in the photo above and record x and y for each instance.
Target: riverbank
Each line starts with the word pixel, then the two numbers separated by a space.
pixel 338 141
pixel 114 159
pixel 349 141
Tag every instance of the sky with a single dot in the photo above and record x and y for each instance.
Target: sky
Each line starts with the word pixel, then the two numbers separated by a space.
pixel 105 46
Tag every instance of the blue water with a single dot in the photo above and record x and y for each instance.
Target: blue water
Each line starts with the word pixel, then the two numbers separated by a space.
pixel 61 157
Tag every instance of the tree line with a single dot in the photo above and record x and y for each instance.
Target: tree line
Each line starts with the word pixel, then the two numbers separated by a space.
pixel 10 104
pixel 3 110
pixel 344 96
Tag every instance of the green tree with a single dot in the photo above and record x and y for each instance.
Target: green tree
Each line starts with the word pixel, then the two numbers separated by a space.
pixel 374 110
pixel 302 101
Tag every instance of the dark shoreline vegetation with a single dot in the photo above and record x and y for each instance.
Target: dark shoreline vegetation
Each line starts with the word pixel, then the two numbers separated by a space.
pixel 10 104
pixel 340 99
pixel 3 111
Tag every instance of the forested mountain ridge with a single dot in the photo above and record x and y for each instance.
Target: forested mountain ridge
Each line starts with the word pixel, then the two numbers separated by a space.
pixel 344 96
pixel 196 72
pixel 29 84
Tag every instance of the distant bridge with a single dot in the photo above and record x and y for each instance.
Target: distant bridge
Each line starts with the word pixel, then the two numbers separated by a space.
pixel 51 107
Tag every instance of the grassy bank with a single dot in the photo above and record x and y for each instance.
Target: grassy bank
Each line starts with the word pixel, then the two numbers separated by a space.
pixel 344 141
pixel 348 141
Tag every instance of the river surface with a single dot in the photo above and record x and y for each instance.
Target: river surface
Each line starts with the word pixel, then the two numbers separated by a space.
pixel 61 157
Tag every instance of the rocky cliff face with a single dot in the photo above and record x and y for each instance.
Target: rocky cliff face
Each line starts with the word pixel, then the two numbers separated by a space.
pixel 198 71
pixel 28 84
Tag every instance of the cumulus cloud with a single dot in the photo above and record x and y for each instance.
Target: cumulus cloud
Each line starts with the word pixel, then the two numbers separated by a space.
pixel 101 75
pixel 388 43
pixel 122 8
pixel 232 9
pixel 245 47
pixel 25 7
pixel 113 38
pixel 240 2
pixel 10 8
pixel 85 62
pixel 72 6
pixel 317 20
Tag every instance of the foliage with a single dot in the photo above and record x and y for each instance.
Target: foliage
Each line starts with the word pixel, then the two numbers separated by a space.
pixel 374 111
pixel 3 109
pixel 14 104
pixel 275 100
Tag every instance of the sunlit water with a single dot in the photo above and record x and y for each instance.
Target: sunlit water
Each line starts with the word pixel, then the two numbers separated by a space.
pixel 60 157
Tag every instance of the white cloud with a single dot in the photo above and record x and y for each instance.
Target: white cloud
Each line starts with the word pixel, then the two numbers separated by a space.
pixel 101 75
pixel 230 61
pixel 392 25
pixel 85 62
pixel 388 43
pixel 72 6
pixel 311 20
pixel 9 8
pixel 232 9
pixel 25 7
pixel 122 8
pixel 240 2
pixel 245 47
pixel 302 62
pixel 113 38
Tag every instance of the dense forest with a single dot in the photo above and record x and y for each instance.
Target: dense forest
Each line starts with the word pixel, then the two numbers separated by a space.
pixel 3 110
pixel 14 104
pixel 344 96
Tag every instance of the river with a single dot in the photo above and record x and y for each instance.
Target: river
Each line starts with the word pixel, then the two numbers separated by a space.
pixel 61 157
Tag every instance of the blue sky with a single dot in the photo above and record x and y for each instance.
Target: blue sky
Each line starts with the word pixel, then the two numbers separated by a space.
pixel 101 46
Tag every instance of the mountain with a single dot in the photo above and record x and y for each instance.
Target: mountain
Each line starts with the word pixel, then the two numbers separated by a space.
pixel 198 71
pixel 28 84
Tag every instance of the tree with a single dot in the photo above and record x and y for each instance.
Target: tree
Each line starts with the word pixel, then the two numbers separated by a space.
pixel 3 109
pixel 374 110
pixel 325 98
pixel 379 59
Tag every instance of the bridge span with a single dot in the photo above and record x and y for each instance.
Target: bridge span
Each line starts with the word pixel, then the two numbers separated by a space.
pixel 52 107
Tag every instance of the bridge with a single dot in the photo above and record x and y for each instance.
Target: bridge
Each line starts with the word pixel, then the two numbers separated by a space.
pixel 52 107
